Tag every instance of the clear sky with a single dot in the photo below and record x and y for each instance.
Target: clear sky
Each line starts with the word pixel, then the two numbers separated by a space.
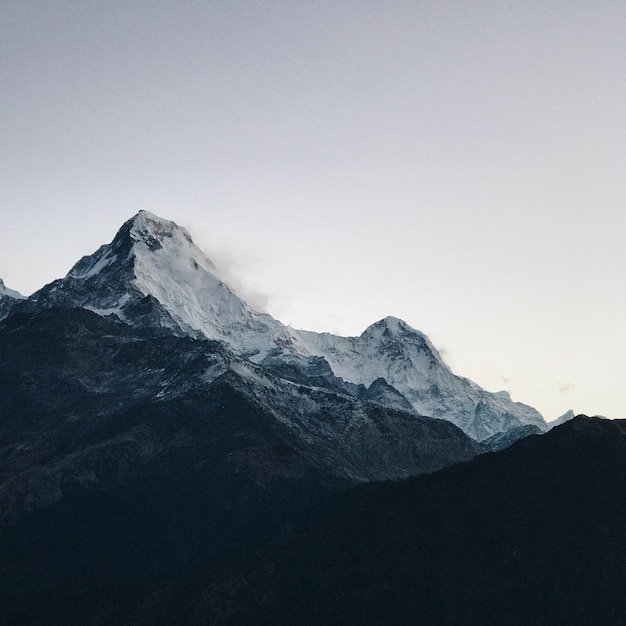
pixel 458 164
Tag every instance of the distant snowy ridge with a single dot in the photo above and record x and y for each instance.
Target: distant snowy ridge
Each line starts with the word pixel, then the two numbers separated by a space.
pixel 566 417
pixel 5 292
pixel 152 274
pixel 8 297
pixel 408 361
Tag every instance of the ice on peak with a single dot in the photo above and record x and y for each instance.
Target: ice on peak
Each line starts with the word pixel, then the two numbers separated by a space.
pixel 142 214
pixel 151 257
pixel 145 219
pixel 409 362
pixel 149 233
pixel 163 262
pixel 152 229
pixel 8 298
pixel 392 322
pixel 394 325
pixel 393 330
pixel 566 417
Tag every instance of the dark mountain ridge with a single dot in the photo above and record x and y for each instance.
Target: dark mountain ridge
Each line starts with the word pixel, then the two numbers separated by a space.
pixel 533 534
pixel 530 535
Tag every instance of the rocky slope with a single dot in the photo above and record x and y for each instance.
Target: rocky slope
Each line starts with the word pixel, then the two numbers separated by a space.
pixel 88 400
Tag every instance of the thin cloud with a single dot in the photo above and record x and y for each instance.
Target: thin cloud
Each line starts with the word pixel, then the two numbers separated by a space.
pixel 565 387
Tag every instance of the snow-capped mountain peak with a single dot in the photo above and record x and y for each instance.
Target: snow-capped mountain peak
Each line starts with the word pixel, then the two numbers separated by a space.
pixel 151 233
pixel 566 417
pixel 409 362
pixel 392 334
pixel 141 237
pixel 390 341
pixel 152 274
pixel 145 225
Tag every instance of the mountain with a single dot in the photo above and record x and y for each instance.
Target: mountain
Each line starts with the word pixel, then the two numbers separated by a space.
pixel 152 275
pixel 8 297
pixel 407 360
pixel 566 417
pixel 137 463
pixel 530 535
pixel 88 400
pixel 503 440
pixel 170 455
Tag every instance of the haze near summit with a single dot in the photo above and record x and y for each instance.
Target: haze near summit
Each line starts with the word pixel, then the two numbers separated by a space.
pixel 457 166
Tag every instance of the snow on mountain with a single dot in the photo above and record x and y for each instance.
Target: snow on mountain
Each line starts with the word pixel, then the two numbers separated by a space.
pixel 408 361
pixel 8 297
pixel 152 274
pixel 566 417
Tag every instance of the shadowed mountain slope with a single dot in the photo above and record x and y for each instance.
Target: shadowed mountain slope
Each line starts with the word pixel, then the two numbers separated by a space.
pixel 530 535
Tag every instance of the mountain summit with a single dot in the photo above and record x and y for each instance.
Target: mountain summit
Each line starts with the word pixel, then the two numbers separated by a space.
pixel 410 363
pixel 153 275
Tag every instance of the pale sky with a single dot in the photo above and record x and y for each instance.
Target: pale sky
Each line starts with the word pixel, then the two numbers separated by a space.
pixel 460 165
